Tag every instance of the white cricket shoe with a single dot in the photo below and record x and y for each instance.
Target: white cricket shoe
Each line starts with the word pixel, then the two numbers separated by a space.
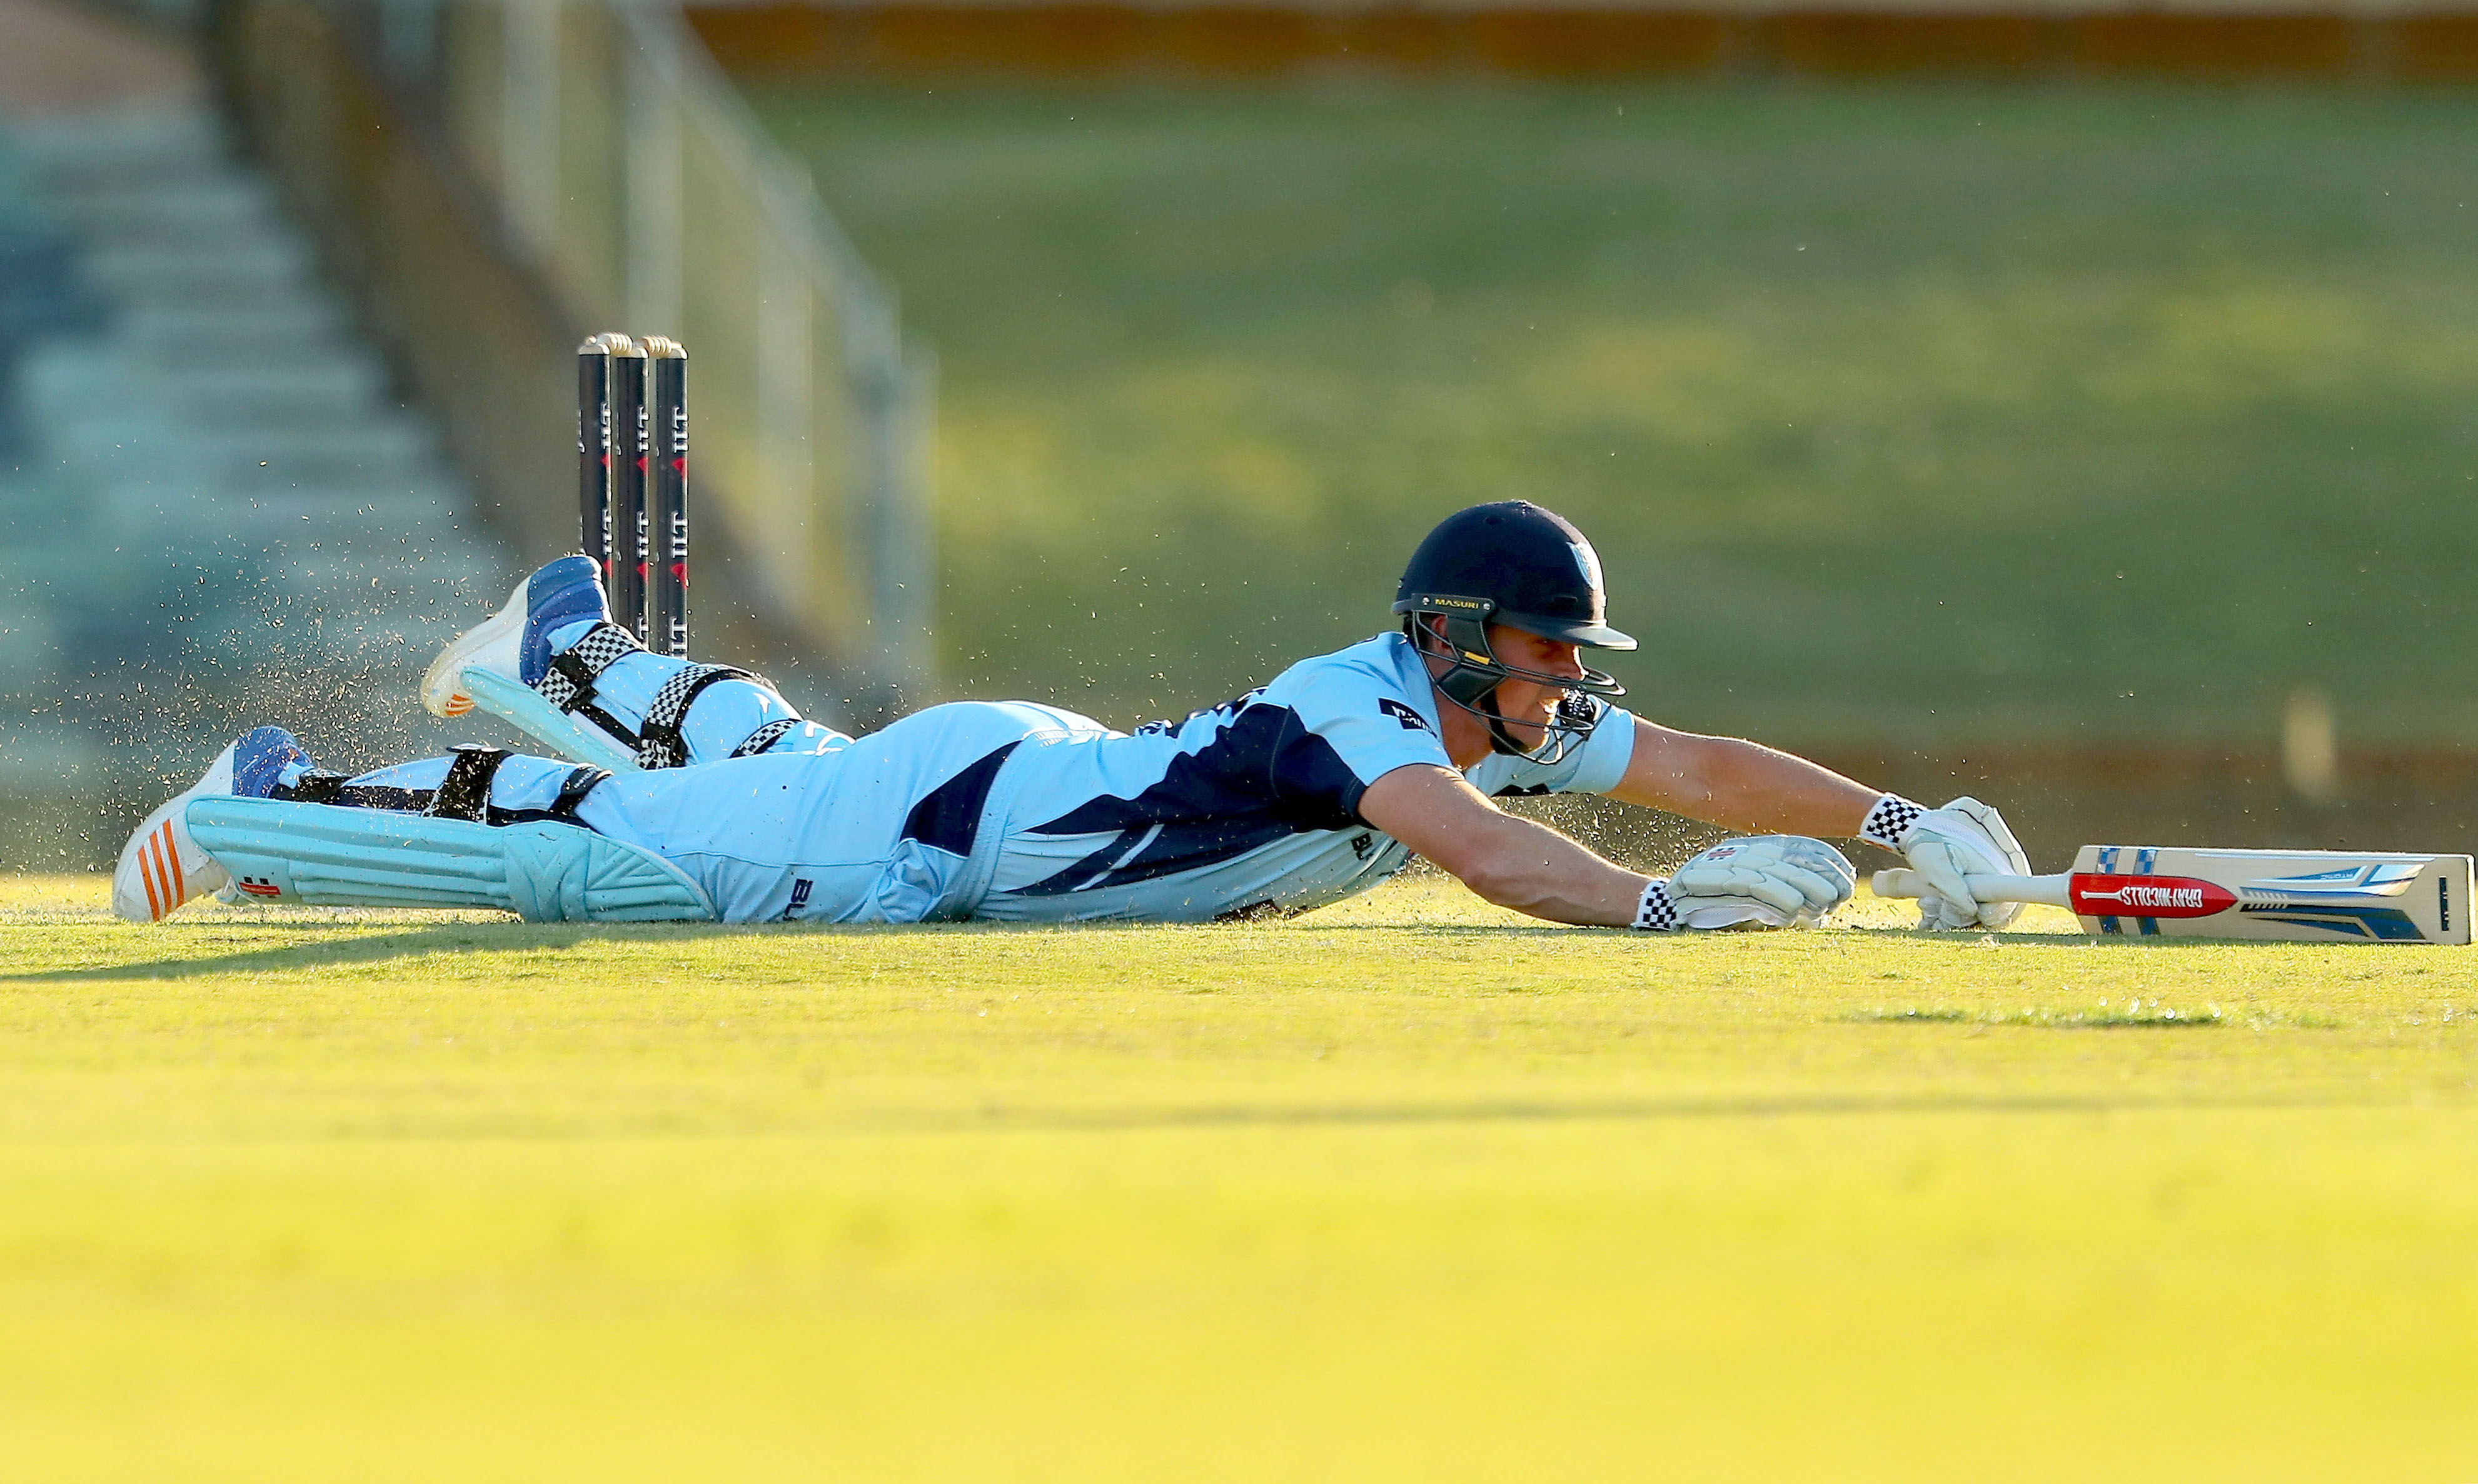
pixel 491 644
pixel 161 867
pixel 499 664
pixel 513 644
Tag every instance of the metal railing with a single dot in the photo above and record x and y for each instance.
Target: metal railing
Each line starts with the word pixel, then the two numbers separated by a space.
pixel 627 181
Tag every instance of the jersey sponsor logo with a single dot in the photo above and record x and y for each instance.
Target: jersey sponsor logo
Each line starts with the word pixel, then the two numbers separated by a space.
pixel 1363 845
pixel 801 886
pixel 1412 720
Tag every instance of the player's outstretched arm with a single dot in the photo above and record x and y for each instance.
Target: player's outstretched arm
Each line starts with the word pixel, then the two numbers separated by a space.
pixel 1511 862
pixel 1531 868
pixel 1747 786
pixel 1741 785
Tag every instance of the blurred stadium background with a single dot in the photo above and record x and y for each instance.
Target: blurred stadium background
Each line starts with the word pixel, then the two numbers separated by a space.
pixel 2069 402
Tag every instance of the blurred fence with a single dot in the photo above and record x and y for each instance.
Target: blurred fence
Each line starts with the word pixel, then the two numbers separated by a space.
pixel 498 178
pixel 2361 40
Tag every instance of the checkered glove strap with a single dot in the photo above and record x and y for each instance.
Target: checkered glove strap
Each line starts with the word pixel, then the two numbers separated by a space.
pixel 1889 823
pixel 568 683
pixel 1657 912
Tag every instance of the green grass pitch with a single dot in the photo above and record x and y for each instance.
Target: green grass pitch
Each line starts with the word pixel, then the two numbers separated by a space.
pixel 1406 1188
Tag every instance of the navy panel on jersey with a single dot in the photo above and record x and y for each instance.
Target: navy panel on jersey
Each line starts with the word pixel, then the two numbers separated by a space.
pixel 950 816
pixel 1261 775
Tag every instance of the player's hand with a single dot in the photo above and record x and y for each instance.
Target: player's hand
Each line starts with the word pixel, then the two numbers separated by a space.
pixel 1777 880
pixel 1948 846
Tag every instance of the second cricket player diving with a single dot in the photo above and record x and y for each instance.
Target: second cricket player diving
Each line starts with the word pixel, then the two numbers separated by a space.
pixel 693 792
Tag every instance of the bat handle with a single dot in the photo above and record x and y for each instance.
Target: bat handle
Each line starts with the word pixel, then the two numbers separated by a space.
pixel 2044 891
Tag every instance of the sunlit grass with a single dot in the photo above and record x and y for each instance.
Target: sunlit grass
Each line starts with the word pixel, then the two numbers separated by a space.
pixel 1406 1188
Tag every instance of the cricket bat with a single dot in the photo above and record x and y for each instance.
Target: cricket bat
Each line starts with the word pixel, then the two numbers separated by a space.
pixel 2290 895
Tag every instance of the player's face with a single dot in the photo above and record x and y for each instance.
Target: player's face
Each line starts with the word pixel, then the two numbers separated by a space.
pixel 1528 705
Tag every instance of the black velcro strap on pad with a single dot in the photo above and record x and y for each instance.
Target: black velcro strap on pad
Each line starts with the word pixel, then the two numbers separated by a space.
pixel 568 683
pixel 659 742
pixel 465 793
pixel 339 791
pixel 315 787
pixel 612 724
pixel 378 796
pixel 766 737
pixel 579 783
pixel 585 780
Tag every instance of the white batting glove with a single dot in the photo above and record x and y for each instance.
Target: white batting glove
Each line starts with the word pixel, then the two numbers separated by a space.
pixel 1948 846
pixel 1773 880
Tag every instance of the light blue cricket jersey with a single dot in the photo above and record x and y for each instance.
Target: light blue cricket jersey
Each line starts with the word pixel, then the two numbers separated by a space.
pixel 1249 807
pixel 1016 810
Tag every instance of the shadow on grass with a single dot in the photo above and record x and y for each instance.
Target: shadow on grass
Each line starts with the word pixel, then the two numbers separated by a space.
pixel 333 943
pixel 345 942
pixel 352 942
pixel 338 942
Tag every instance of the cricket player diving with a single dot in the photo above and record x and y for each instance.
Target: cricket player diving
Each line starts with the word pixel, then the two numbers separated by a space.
pixel 696 793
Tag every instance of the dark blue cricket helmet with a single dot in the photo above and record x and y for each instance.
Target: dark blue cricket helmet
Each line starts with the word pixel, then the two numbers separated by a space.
pixel 1515 564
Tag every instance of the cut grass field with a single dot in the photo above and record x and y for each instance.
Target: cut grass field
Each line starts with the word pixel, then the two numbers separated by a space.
pixel 1914 415
pixel 1406 1188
